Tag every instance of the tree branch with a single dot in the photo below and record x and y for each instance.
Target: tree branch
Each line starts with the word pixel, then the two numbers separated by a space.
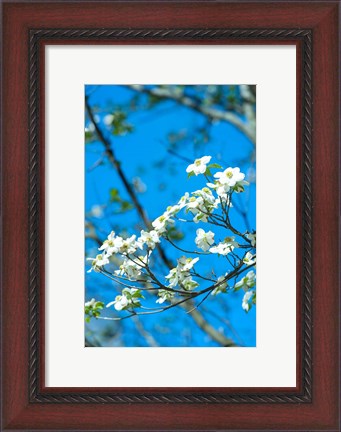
pixel 248 129
pixel 195 314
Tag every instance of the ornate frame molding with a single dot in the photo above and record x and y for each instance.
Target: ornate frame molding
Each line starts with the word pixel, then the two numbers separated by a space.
pixel 35 38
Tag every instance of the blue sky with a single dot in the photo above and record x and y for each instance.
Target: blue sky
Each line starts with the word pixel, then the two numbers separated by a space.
pixel 146 154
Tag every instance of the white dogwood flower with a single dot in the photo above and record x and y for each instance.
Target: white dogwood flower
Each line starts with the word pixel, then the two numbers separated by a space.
pixel 186 264
pixel 112 244
pixel 248 299
pixel 149 238
pixel 128 298
pixel 120 302
pixel 129 245
pixel 132 268
pixel 189 284
pixel 177 275
pixel 199 166
pixel 98 262
pixel 164 295
pixel 97 211
pixel 249 259
pixel 252 238
pixel 221 285
pixel 225 247
pixel 90 303
pixel 183 200
pixel 160 223
pixel 173 277
pixel 107 119
pixel 204 240
pixel 248 281
pixel 230 176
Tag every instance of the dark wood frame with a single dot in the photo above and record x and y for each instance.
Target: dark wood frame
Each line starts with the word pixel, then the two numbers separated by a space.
pixel 27 403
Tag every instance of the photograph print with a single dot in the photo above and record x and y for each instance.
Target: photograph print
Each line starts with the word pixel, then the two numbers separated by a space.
pixel 170 215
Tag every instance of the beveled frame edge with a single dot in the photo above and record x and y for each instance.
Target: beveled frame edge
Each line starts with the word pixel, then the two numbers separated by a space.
pixel 38 35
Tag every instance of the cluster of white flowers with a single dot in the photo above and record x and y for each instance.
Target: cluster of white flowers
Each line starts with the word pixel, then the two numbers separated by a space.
pixel 98 262
pixel 129 298
pixel 246 283
pixel 199 166
pixel 181 276
pixel 149 238
pixel 117 245
pixel 161 223
pixel 249 259
pixel 165 295
pixel 225 247
pixel 204 240
pixel 132 269
pixel 248 300
pixel 252 238
pixel 230 179
pixel 201 204
pixel 221 285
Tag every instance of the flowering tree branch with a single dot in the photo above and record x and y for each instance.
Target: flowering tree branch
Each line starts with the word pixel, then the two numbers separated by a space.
pixel 212 205
pixel 95 307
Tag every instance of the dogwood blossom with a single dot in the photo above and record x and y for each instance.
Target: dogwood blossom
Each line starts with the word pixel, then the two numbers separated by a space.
pixel 225 247
pixel 129 298
pixel 196 205
pixel 129 268
pixel 97 211
pixel 183 200
pixel 129 245
pixel 199 166
pixel 120 302
pixel 186 264
pixel 150 238
pixel 248 299
pixel 189 284
pixel 204 240
pixel 202 204
pixel 90 303
pixel 164 295
pixel 112 244
pixel 98 262
pixel 239 187
pixel 180 274
pixel 230 176
pixel 248 281
pixel 207 196
pixel 221 285
pixel 160 223
pixel 173 277
pixel 172 210
pixel 223 199
pixel 252 238
pixel 229 179
pixel 249 259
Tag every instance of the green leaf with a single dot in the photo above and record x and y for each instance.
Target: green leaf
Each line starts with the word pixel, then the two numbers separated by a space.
pixel 115 195
pixel 214 165
pixel 89 135
pixel 126 206
pixel 175 234
pixel 190 174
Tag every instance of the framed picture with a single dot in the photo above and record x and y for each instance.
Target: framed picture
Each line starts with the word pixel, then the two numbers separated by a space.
pixel 150 150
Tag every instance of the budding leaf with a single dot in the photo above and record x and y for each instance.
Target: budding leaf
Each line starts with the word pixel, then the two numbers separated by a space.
pixel 214 165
